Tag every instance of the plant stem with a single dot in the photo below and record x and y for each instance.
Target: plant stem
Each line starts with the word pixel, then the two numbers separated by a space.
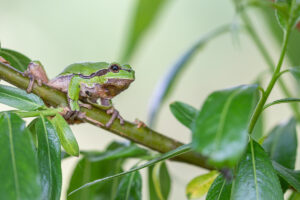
pixel 259 44
pixel 143 135
pixel 48 112
pixel 261 103
pixel 279 101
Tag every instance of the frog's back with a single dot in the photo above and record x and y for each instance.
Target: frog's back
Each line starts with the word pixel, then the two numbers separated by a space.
pixel 85 68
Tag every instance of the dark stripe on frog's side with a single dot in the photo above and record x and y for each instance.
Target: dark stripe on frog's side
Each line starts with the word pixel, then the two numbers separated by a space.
pixel 101 72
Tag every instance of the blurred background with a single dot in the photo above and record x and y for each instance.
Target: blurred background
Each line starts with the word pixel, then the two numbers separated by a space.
pixel 59 33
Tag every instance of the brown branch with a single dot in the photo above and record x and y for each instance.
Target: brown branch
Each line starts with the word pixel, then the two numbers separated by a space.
pixel 142 135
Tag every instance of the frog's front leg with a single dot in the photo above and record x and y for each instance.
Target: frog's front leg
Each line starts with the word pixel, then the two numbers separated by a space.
pixel 111 111
pixel 35 71
pixel 74 92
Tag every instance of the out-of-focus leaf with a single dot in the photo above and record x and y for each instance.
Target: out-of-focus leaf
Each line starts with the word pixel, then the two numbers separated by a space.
pixel 200 185
pixel 255 176
pixel 159 182
pixel 290 176
pixel 19 174
pixel 168 81
pixel 184 113
pixel 49 156
pixel 281 144
pixel 276 32
pixel 65 135
pixel 123 151
pixel 220 189
pixel 178 151
pixel 144 16
pixel 220 129
pixel 20 99
pixel 130 187
pixel 15 59
pixel 287 11
pixel 87 171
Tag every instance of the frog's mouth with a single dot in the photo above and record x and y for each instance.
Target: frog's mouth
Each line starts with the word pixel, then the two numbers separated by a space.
pixel 115 86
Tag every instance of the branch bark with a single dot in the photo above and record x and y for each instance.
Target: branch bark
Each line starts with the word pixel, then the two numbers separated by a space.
pixel 143 135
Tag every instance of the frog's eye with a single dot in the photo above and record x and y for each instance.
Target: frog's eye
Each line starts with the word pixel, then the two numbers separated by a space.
pixel 115 68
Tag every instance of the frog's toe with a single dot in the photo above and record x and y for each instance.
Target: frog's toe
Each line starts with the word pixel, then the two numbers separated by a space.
pixel 85 105
pixel 114 115
pixel 30 85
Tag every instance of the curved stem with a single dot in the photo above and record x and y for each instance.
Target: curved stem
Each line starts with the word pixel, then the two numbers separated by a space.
pixel 143 135
pixel 261 103
pixel 260 45
pixel 279 101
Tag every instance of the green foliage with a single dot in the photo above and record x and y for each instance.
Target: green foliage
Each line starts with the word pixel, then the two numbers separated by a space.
pixel 130 187
pixel 144 16
pixel 65 134
pixel 287 12
pixel 19 99
pixel 19 172
pixel 180 150
pixel 281 144
pixel 15 59
pixel 272 24
pixel 49 158
pixel 220 189
pixel 218 133
pixel 159 181
pixel 121 151
pixel 255 176
pixel 290 176
pixel 184 113
pixel 168 81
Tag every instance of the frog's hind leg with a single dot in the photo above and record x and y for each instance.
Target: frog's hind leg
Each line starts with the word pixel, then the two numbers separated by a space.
pixel 35 71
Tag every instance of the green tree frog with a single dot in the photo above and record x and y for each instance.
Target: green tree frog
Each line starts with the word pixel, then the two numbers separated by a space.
pixel 89 81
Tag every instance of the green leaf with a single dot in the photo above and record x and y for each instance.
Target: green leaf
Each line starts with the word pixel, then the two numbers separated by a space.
pixel 19 174
pixel 178 151
pixel 87 171
pixel 255 176
pixel 31 128
pixel 184 113
pixel 65 135
pixel 287 12
pixel 168 81
pixel 122 151
pixel 281 144
pixel 49 156
pixel 19 99
pixel 200 185
pixel 290 176
pixel 130 187
pixel 15 59
pixel 276 32
pixel 159 182
pixel 220 130
pixel 145 14
pixel 220 189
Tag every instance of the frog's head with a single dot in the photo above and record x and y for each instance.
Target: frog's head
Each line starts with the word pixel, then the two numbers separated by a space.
pixel 118 78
